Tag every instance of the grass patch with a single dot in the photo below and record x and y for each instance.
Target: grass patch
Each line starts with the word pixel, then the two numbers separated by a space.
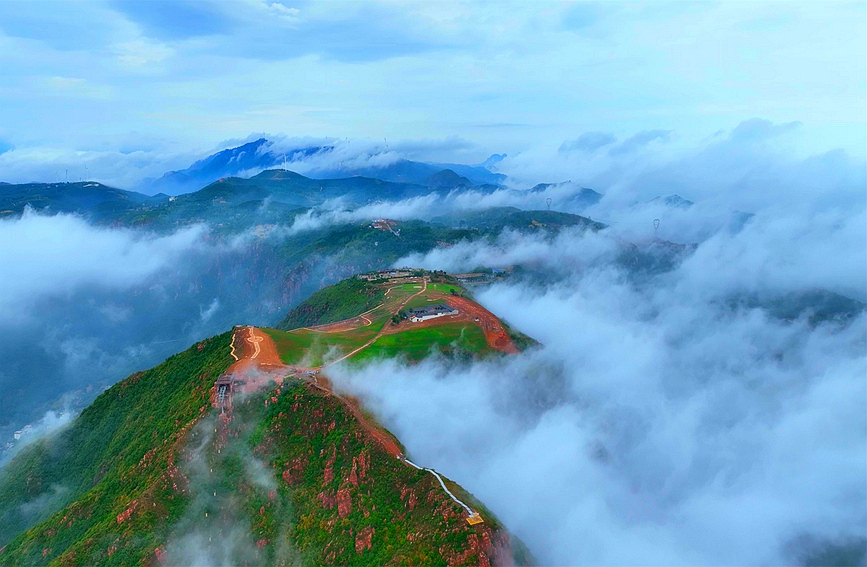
pixel 337 302
pixel 312 347
pixel 445 288
pixel 422 301
pixel 416 344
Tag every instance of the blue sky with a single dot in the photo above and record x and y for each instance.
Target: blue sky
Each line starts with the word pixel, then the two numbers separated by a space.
pixel 153 84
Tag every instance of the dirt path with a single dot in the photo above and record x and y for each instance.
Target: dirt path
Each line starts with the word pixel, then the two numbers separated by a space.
pixel 382 331
pixel 251 348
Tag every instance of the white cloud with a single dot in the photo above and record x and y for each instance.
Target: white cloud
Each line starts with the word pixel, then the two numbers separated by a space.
pixel 142 52
pixel 56 255
pixel 656 426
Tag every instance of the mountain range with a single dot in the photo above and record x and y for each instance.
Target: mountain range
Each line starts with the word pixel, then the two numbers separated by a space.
pixel 253 157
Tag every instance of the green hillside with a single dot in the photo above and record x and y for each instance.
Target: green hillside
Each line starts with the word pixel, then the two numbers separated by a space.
pixel 95 200
pixel 342 300
pixel 151 474
pixel 498 218
pixel 351 502
pixel 120 452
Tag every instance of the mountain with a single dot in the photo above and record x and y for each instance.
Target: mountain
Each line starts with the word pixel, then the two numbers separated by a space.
pixel 87 197
pixel 268 197
pixel 448 179
pixel 498 218
pixel 251 156
pixel 239 450
pixel 408 171
pixel 261 154
pixel 577 200
pixel 675 201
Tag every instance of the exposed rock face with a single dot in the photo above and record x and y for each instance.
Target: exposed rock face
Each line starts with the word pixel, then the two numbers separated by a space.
pixel 344 503
pixel 363 539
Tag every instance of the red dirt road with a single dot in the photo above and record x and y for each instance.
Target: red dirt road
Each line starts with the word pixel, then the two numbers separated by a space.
pixel 495 334
pixel 253 348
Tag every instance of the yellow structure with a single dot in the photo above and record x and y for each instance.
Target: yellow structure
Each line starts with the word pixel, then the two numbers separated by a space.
pixel 474 519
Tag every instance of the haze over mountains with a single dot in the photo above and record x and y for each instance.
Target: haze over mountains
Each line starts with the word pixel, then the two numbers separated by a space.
pixel 319 162
pixel 103 282
pixel 433 283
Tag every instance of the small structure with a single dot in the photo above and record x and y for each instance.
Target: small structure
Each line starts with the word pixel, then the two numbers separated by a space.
pixel 225 387
pixel 384 275
pixel 474 277
pixel 431 312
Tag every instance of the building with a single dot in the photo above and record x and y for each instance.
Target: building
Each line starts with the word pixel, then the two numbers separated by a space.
pixel 475 277
pixel 385 275
pixel 431 312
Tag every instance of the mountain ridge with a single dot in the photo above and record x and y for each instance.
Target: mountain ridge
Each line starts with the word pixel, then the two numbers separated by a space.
pixel 299 468
pixel 260 155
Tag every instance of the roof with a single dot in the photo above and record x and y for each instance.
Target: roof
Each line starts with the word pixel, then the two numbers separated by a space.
pixel 431 310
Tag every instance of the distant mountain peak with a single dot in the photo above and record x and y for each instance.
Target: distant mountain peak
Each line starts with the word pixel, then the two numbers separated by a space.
pixel 673 201
pixel 447 179
pixel 264 154
pixel 493 160
pixel 278 174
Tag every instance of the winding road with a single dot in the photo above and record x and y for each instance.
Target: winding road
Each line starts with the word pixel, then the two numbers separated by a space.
pixel 382 331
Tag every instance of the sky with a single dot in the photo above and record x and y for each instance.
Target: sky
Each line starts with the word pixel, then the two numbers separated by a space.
pixel 137 88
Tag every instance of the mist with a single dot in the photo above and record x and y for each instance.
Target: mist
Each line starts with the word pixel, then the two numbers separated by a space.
pixel 85 306
pixel 675 419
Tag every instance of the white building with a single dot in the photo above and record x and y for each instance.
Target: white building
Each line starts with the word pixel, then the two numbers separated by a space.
pixel 431 312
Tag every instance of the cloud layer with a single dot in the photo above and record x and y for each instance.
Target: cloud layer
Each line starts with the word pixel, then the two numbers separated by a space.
pixel 657 425
pixel 669 419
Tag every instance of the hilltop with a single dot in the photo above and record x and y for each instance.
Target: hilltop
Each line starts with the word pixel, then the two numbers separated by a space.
pixel 370 316
pixel 241 439
pixel 96 200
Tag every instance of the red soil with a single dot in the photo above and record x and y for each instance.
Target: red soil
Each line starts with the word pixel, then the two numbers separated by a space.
pixel 469 311
pixel 495 333
pixel 249 354
pixel 345 325
pixel 257 363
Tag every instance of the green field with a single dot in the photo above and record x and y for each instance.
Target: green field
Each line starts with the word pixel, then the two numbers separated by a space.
pixel 337 302
pixel 312 348
pixel 405 288
pixel 416 344
pixel 445 288
pixel 422 301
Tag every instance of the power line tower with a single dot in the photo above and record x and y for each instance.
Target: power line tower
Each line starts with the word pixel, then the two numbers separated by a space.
pixel 656 228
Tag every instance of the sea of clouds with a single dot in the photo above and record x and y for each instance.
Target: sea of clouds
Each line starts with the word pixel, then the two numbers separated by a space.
pixel 663 420
pixel 657 424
